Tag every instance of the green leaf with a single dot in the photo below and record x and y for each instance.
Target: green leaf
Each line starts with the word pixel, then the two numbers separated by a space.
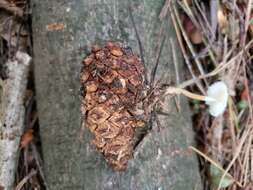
pixel 216 174
pixel 242 104
pixel 251 21
pixel 196 105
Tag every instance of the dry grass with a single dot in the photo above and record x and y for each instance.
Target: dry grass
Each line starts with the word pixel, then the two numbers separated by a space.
pixel 221 51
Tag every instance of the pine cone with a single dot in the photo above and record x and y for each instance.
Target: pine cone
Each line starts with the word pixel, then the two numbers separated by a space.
pixel 112 78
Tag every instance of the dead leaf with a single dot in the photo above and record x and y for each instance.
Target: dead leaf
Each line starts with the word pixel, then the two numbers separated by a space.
pixel 26 138
pixel 251 25
pixel 189 2
pixel 192 31
pixel 222 21
pixel 196 37
pixel 244 94
pixel 55 26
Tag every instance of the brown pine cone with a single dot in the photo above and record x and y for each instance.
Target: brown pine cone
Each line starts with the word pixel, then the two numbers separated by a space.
pixel 112 78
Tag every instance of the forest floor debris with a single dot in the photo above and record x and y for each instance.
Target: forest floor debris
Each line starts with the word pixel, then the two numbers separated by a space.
pixel 216 41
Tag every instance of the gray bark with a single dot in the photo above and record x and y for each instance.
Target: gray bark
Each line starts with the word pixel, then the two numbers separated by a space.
pixel 162 160
pixel 12 113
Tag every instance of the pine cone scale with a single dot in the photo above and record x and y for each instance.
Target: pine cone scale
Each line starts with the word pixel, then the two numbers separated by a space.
pixel 113 81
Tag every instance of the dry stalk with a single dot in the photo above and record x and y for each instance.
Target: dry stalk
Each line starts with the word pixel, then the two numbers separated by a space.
pixel 190 46
pixel 187 61
pixel 229 55
pixel 237 152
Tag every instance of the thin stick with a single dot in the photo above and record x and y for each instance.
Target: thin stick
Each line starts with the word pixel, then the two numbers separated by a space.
pixel 165 9
pixel 251 166
pixel 248 13
pixel 214 5
pixel 175 62
pixel 195 79
pixel 202 13
pixel 223 66
pixel 38 161
pixel 237 153
pixel 25 179
pixel 214 163
pixel 201 70
pixel 246 160
pixel 154 70
pixel 139 42
pixel 218 69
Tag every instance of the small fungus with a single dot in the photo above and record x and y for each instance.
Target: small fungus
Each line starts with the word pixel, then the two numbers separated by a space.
pixel 219 92
pixel 217 97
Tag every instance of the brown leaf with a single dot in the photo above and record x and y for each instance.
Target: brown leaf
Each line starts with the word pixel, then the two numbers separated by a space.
pixel 1 187
pixel 196 37
pixel 244 94
pixel 26 138
pixel 194 34
pixel 188 24
pixel 251 30
pixel 189 2
pixel 251 25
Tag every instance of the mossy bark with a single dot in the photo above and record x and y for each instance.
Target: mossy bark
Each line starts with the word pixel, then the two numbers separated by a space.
pixel 162 160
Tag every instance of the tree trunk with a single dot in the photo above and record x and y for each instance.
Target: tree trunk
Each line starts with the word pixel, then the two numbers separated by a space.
pixel 162 160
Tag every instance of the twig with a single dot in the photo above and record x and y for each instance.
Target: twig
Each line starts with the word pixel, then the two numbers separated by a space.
pixel 25 179
pixel 153 72
pixel 247 19
pixel 139 42
pixel 199 66
pixel 246 84
pixel 215 164
pixel 176 71
pixel 164 10
pixel 12 117
pixel 237 153
pixel 251 164
pixel 207 30
pixel 216 71
pixel 214 5
pixel 195 80
pixel 247 159
pixel 38 161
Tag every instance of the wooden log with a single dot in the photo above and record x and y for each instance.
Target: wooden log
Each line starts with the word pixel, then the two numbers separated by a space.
pixel 63 33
